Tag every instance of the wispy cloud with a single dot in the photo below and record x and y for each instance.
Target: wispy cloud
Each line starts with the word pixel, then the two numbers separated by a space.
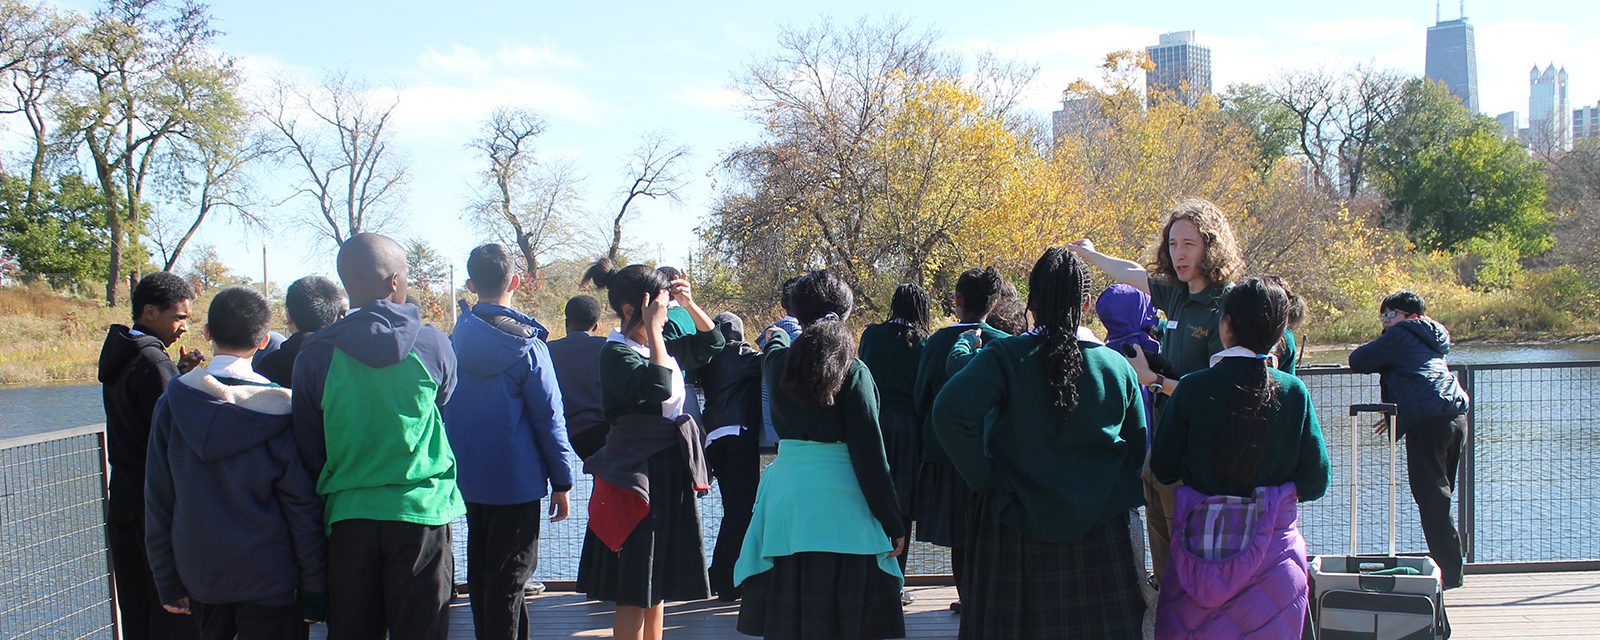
pixel 459 84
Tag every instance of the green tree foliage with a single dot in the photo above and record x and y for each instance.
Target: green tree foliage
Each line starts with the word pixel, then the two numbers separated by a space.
pixel 63 234
pixel 1273 126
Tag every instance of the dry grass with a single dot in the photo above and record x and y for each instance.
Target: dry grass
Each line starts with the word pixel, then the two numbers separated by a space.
pixel 50 337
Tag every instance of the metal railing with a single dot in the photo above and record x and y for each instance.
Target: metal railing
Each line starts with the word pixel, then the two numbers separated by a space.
pixel 55 573
pixel 1527 499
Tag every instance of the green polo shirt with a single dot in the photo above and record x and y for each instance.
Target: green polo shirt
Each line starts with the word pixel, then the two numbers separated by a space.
pixel 1191 334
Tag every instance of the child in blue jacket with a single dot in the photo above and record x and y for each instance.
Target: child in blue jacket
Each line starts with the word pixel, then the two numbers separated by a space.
pixel 509 433
pixel 233 523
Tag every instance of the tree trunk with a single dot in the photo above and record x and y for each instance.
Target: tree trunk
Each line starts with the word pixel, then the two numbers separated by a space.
pixel 177 250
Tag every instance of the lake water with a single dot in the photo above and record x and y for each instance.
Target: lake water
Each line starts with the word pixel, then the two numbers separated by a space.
pixel 1538 461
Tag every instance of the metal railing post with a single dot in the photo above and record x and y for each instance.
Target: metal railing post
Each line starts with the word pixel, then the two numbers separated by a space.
pixel 105 532
pixel 1466 484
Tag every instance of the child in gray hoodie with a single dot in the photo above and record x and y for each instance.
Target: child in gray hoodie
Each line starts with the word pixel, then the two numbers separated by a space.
pixel 233 523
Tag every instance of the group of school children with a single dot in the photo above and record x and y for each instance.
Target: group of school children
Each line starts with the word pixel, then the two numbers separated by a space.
pixel 254 492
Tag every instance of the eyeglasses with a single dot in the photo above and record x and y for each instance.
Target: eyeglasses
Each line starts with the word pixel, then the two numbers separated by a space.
pixel 1389 315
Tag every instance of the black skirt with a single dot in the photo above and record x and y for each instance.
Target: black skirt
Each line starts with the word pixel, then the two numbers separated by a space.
pixel 663 558
pixel 902 444
pixel 822 596
pixel 941 505
pixel 1021 587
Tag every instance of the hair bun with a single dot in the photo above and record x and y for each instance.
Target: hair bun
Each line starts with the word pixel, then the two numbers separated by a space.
pixel 599 273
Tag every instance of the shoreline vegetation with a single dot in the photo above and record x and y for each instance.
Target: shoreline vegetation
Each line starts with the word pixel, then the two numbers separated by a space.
pixel 54 338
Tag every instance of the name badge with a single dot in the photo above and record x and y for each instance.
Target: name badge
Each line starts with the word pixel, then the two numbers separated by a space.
pixel 1172 325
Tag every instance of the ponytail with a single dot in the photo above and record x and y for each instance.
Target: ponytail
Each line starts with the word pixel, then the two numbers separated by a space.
pixel 633 284
pixel 821 357
pixel 1257 312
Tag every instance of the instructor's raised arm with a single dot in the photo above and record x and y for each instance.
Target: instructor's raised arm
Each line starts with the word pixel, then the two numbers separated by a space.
pixel 1126 272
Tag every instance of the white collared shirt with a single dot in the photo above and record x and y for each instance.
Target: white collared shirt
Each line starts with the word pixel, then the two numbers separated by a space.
pixel 672 407
pixel 1241 352
pixel 226 366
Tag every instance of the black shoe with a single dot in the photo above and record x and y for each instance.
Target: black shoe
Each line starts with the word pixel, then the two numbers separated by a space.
pixel 731 595
pixel 955 607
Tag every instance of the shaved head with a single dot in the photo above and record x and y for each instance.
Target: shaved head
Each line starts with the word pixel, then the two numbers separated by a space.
pixel 373 267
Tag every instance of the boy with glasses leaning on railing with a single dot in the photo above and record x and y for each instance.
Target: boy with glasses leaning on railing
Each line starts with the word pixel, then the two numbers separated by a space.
pixel 1409 358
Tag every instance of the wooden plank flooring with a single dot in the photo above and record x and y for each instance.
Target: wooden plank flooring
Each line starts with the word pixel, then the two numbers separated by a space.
pixel 1490 607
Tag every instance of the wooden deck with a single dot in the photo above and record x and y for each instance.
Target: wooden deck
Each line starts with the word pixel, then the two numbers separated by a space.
pixel 1490 607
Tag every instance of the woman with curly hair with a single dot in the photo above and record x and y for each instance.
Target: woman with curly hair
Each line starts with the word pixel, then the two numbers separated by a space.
pixel 1187 275
pixel 1048 429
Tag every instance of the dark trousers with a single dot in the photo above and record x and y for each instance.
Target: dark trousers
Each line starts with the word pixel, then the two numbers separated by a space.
pixel 388 576
pixel 1433 454
pixel 502 552
pixel 142 615
pixel 248 621
pixel 735 461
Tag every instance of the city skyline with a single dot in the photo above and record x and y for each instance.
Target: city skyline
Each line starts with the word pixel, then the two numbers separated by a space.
pixel 602 82
pixel 1451 57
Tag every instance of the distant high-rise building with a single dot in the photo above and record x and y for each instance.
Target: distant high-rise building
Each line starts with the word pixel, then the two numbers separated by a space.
pixel 1453 59
pixel 1586 122
pixel 1510 124
pixel 1183 68
pixel 1077 115
pixel 1549 116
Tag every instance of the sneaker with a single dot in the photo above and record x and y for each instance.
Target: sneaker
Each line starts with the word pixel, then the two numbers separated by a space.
pixel 533 588
pixel 955 607
pixel 906 598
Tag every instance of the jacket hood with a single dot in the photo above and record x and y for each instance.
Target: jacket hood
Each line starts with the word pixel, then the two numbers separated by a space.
pixel 484 349
pixel 1126 312
pixel 731 326
pixel 1214 583
pixel 122 345
pixel 1430 332
pixel 220 420
pixel 377 335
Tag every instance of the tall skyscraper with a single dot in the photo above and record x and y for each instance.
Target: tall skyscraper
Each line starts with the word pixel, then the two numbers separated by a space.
pixel 1453 59
pixel 1549 116
pixel 1183 68
pixel 1586 122
pixel 1076 117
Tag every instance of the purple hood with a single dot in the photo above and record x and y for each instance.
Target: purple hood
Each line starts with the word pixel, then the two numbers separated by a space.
pixel 1126 313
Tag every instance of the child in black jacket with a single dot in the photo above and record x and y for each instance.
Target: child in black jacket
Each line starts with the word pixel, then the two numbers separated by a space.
pixel 732 382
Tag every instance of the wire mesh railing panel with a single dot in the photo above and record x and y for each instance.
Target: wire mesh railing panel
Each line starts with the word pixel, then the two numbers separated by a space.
pixel 54 577
pixel 1326 522
pixel 1537 473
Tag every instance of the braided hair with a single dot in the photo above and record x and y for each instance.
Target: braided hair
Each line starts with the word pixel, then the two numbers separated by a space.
pixel 820 358
pixel 911 306
pixel 1057 291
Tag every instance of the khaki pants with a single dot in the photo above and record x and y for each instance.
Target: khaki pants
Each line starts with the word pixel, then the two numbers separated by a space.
pixel 1159 505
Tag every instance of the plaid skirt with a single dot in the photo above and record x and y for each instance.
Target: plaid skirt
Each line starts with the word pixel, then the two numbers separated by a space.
pixel 941 505
pixel 902 444
pixel 663 558
pixel 822 596
pixel 1020 587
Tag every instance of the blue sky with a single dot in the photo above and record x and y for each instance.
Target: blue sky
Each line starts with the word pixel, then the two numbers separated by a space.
pixel 604 74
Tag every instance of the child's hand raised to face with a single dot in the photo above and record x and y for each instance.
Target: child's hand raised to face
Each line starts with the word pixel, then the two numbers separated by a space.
pixel 655 311
pixel 188 360
pixel 680 291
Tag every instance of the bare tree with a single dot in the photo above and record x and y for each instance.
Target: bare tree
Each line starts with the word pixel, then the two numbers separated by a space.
pixel 338 134
pixel 1338 120
pixel 653 171
pixel 211 175
pixel 146 74
pixel 35 60
pixel 530 204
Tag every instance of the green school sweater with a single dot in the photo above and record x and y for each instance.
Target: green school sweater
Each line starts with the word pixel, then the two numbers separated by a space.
pixel 932 375
pixel 1291 352
pixel 1196 419
pixel 632 385
pixel 1054 477
pixel 893 364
